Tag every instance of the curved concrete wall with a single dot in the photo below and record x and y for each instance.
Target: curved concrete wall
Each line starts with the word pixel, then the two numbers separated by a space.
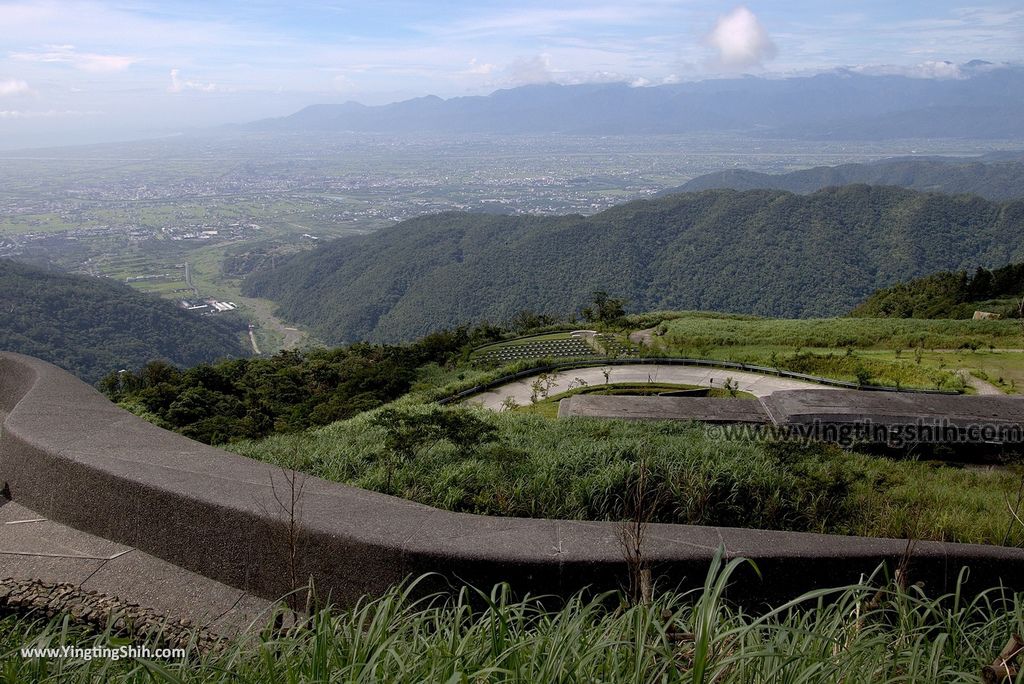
pixel 70 454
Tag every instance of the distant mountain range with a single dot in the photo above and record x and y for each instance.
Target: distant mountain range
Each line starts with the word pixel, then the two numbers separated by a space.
pixel 986 103
pixel 92 326
pixel 766 252
pixel 997 177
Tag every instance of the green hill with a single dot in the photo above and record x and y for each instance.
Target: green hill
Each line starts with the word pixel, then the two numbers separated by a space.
pixel 999 181
pixel 92 326
pixel 764 252
pixel 949 294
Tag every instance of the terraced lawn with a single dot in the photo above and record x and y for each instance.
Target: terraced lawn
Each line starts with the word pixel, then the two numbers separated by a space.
pixel 549 407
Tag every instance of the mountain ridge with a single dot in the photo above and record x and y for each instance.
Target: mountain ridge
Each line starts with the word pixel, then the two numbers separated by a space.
pixel 1000 179
pixel 765 252
pixel 986 103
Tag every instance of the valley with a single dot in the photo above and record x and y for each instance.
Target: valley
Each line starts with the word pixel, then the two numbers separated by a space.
pixel 511 342
pixel 230 204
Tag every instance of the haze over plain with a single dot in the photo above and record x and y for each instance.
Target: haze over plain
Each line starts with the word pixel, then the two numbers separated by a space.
pixel 95 70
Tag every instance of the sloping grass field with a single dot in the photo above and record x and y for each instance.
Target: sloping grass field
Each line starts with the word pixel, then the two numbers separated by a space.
pixel 526 465
pixel 856 634
pixel 910 353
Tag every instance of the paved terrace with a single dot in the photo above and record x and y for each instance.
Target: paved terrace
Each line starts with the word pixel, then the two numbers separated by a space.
pixel 33 547
pixel 931 417
pixel 90 468
pixel 703 409
pixel 758 384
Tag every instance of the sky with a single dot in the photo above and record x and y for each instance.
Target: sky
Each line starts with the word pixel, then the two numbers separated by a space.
pixel 72 71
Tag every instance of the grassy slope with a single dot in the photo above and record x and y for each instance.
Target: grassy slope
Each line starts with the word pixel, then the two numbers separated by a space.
pixel 840 347
pixel 581 469
pixel 901 637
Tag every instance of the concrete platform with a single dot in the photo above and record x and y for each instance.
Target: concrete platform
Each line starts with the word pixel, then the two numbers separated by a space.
pixel 845 405
pixel 876 417
pixel 703 409
pixel 758 384
pixel 833 415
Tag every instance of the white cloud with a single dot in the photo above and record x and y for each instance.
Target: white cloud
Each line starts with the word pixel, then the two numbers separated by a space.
pixel 13 87
pixel 178 85
pixel 86 61
pixel 935 69
pixel 929 69
pixel 479 68
pixel 525 21
pixel 527 70
pixel 43 114
pixel 740 39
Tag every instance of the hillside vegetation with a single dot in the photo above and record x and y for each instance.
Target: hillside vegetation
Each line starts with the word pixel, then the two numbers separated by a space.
pixel 840 333
pixel 997 181
pixel 949 295
pixel 871 632
pixel 92 326
pixel 516 463
pixel 294 390
pixel 364 415
pixel 765 252
pixel 907 353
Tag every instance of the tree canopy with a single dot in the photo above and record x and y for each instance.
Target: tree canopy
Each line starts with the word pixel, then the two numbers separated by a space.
pixel 763 252
pixel 949 294
pixel 91 326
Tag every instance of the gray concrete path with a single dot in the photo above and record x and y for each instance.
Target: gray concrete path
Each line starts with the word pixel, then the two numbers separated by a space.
pixel 32 547
pixel 755 383
pixel 982 387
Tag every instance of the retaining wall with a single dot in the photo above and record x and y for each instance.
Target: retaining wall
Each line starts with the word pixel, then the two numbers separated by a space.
pixel 71 455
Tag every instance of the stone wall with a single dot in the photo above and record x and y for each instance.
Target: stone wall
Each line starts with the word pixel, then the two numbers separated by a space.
pixel 35 599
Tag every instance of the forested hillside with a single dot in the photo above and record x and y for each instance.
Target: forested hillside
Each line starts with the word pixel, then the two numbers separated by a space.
pixel 764 252
pixel 91 326
pixel 293 390
pixel 995 181
pixel 949 295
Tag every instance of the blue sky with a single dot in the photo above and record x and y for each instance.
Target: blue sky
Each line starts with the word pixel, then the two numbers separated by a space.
pixel 130 63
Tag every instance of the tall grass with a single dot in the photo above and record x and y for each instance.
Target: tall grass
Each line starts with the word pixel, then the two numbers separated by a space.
pixel 841 348
pixel 848 634
pixel 839 333
pixel 581 469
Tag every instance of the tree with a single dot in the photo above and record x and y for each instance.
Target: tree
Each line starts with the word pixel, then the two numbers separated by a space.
pixel 407 434
pixel 509 404
pixel 526 320
pixel 541 387
pixel 604 309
